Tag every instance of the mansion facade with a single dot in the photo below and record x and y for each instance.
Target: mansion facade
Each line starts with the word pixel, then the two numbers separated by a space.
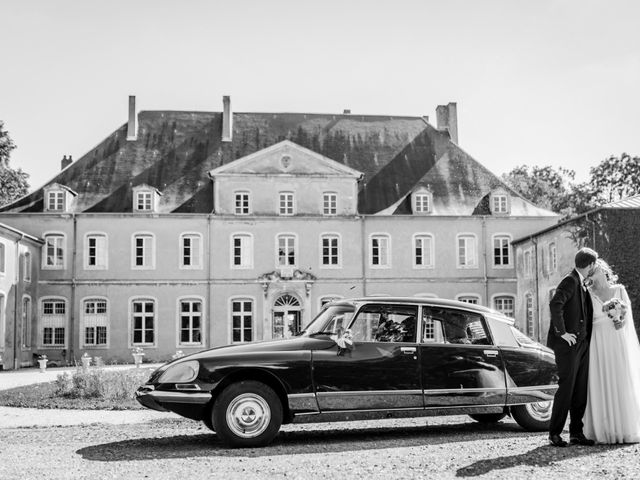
pixel 190 230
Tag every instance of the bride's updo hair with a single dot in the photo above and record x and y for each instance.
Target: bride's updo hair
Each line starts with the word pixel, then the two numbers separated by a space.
pixel 608 272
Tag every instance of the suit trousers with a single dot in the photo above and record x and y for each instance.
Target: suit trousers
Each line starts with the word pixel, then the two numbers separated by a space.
pixel 571 396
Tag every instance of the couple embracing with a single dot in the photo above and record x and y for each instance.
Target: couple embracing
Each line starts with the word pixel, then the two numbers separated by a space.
pixel 598 355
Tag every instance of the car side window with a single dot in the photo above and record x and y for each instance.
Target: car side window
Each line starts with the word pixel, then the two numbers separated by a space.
pixel 442 325
pixel 385 323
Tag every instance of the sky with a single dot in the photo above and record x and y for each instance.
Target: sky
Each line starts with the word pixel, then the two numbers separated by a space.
pixel 544 82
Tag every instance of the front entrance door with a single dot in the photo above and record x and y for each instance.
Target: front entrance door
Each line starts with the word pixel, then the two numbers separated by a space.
pixel 286 316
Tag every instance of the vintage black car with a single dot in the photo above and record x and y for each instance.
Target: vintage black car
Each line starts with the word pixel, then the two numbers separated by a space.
pixel 364 358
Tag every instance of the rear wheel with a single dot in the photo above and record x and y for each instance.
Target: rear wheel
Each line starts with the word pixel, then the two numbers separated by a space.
pixel 247 414
pixel 488 417
pixel 533 416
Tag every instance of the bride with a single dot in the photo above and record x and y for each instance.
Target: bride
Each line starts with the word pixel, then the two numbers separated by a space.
pixel 613 400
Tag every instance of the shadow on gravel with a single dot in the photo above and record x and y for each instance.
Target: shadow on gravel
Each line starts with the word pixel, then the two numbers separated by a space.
pixel 305 441
pixel 542 456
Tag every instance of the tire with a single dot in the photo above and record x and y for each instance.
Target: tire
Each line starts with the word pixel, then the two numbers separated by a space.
pixel 247 414
pixel 488 417
pixel 208 421
pixel 534 417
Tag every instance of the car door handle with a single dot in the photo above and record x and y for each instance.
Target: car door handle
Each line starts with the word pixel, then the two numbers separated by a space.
pixel 491 353
pixel 408 350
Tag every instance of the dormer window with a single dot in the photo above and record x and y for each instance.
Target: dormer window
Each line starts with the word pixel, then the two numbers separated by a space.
pixel 500 203
pixel 58 198
pixel 145 199
pixel 421 202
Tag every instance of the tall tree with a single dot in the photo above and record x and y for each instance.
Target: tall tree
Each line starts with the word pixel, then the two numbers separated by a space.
pixel 616 177
pixel 13 183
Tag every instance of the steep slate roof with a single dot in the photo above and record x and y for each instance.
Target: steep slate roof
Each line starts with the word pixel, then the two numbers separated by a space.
pixel 175 150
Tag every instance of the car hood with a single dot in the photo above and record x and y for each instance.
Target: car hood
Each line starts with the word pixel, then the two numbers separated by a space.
pixel 286 345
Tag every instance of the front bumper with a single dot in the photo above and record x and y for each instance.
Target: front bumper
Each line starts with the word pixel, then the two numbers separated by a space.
pixel 164 401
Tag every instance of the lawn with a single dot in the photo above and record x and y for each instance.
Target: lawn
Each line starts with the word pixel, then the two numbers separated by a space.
pixel 96 389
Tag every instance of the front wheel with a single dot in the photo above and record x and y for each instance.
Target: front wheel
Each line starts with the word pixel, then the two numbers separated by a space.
pixel 534 417
pixel 247 414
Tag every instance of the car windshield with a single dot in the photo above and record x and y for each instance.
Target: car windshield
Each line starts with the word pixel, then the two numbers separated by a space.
pixel 330 320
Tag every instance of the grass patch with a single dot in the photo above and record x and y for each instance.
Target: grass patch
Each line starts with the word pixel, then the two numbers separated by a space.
pixel 96 389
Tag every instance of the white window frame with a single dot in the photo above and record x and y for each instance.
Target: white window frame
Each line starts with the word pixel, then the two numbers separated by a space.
pixel 27 265
pixel 196 254
pixel 63 246
pixel 144 199
pixel 131 325
pixel 418 200
pixel 287 197
pixel 338 238
pixel 239 210
pixel 85 316
pixel 248 255
pixel 529 315
pixel 380 236
pixel 41 323
pixel 463 297
pixel 504 296
pixel 295 250
pixel 467 236
pixel 26 316
pixel 500 203
pixel 508 238
pixel 56 201
pixel 553 257
pixel 105 259
pixel 430 256
pixel 242 298
pixel 152 255
pixel 330 204
pixel 190 298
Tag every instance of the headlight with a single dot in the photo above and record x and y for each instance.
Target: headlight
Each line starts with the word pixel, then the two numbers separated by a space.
pixel 181 372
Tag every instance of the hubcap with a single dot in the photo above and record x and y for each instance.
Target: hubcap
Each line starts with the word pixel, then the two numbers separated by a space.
pixel 541 411
pixel 248 415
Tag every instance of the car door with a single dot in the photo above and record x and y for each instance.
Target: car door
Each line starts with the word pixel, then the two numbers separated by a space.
pixel 460 364
pixel 380 370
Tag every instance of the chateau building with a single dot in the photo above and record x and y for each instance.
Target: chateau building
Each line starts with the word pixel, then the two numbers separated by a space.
pixel 189 230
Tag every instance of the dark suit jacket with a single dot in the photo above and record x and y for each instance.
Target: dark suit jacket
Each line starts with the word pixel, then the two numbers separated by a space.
pixel 571 310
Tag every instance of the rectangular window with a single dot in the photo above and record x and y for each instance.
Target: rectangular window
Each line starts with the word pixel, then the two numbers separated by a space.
pixel 329 203
pixel 467 256
pixel 143 201
pixel 380 251
pixel 330 250
pixel 529 314
pixel 54 251
pixel 527 263
pixel 190 322
pixel 96 252
pixel 469 299
pixel 26 322
pixel 242 203
pixel 191 251
pixel 499 204
pixel 54 321
pixel 501 251
pixel 553 258
pixel 422 203
pixel 242 320
pixel 143 253
pixel 286 251
pixel 504 305
pixel 242 251
pixel 143 322
pixel 55 201
pixel 27 266
pixel 286 203
pixel 95 322
pixel 423 251
pixel 2 258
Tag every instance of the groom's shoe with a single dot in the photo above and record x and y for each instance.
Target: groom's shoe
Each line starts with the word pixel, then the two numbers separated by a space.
pixel 557 441
pixel 580 439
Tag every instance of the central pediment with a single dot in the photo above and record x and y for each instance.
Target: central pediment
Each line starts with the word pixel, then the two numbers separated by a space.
pixel 285 158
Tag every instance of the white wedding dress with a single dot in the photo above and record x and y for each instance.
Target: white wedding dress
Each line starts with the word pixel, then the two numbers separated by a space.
pixel 613 401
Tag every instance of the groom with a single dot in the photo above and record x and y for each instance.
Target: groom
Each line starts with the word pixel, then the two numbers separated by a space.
pixel 569 333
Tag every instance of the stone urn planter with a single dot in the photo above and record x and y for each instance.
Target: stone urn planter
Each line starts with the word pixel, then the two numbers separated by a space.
pixel 137 357
pixel 42 361
pixel 86 361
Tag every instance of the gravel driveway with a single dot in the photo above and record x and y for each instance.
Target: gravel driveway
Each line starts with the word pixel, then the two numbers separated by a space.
pixel 443 447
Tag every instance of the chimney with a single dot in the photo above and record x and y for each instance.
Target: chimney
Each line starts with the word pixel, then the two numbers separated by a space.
pixel 132 131
pixel 227 119
pixel 447 119
pixel 65 162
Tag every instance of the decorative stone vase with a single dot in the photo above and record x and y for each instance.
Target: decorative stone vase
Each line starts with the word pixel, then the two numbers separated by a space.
pixel 137 359
pixel 86 361
pixel 43 364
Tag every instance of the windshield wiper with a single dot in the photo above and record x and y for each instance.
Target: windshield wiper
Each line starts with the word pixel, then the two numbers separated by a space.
pixel 321 333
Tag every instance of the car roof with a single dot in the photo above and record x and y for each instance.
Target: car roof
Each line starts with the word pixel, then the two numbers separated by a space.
pixel 430 301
